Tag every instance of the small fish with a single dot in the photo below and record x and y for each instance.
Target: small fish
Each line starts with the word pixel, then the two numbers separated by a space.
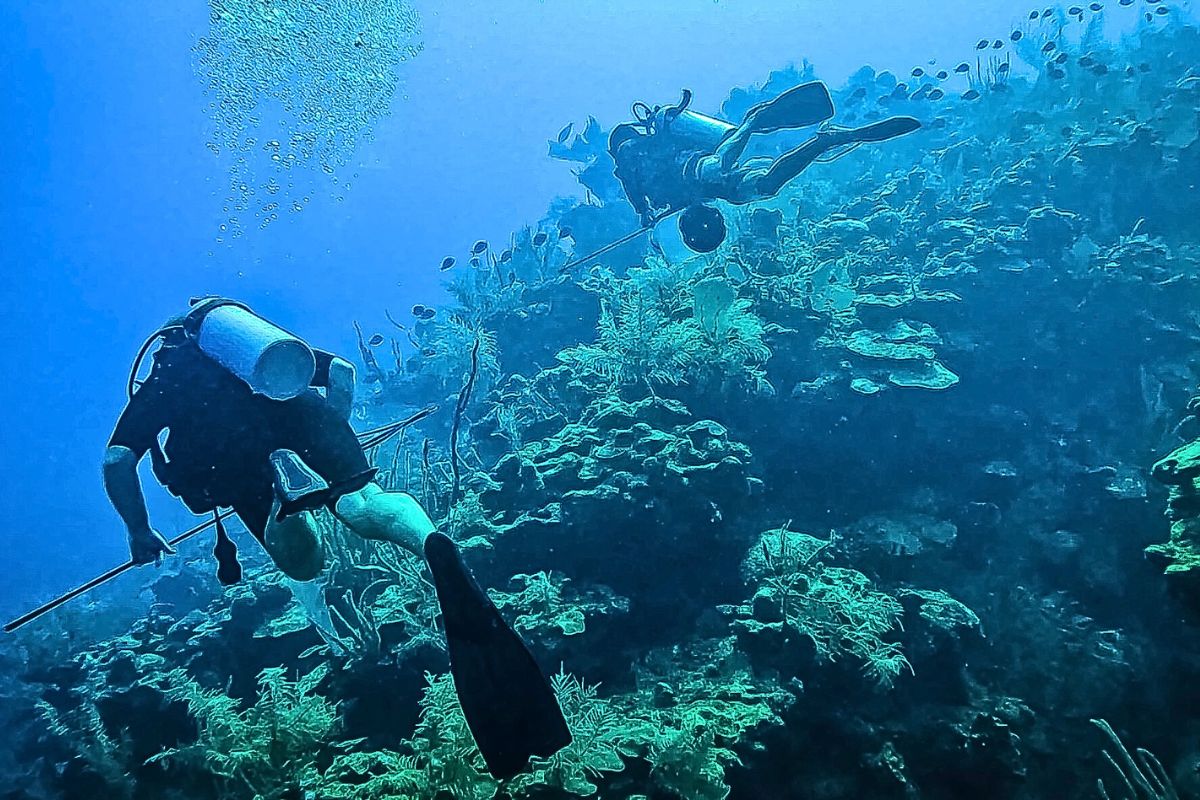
pixel 1126 2
pixel 1161 10
pixel 479 247
pixel 1048 47
pixel 1130 71
pixel 565 232
pixel 447 263
pixel 1149 17
pixel 1033 15
pixel 996 45
pixel 1075 11
pixel 982 45
pixel 1060 58
pixel 1096 6
pixel 1100 69
pixel 512 277
pixel 938 122
pixel 375 340
pixel 942 75
pixel 474 262
pixel 1143 67
pixel 1057 73
pixel 418 310
pixel 859 92
pixel 1047 12
pixel 1086 60
pixel 936 94
pixel 970 94
pixel 963 67
pixel 900 91
pixel 1016 36
pixel 539 239
pixel 506 256
pixel 428 314
pixel 1152 2
pixel 1067 130
pixel 1003 68
pixel 917 72
pixel 565 132
pixel 428 352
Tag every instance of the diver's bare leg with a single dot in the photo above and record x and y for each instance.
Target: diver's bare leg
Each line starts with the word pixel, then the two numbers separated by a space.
pixel 798 107
pixel 798 159
pixel 731 148
pixel 393 517
pixel 294 544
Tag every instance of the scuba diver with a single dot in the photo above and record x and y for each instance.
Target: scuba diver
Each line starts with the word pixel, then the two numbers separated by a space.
pixel 256 420
pixel 674 159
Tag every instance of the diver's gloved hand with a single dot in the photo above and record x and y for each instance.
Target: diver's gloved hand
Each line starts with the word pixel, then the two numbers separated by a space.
pixel 148 547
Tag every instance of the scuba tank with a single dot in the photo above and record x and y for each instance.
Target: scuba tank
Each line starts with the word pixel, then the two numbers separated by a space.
pixel 268 359
pixel 690 128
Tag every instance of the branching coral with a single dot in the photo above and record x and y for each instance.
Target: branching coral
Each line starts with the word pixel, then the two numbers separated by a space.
pixel 267 750
pixel 1141 779
pixel 545 606
pixel 106 756
pixel 837 608
pixel 657 328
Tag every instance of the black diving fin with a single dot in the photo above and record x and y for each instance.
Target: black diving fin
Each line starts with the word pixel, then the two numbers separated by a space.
pixel 509 705
pixel 798 107
pixel 885 129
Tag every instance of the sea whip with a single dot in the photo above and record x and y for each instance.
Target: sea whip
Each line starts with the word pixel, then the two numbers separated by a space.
pixel 464 397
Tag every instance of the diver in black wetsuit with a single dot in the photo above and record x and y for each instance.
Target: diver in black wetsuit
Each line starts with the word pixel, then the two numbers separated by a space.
pixel 278 451
pixel 675 159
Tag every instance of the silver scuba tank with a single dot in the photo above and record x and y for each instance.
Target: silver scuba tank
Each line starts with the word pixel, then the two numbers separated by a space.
pixel 271 361
pixel 698 130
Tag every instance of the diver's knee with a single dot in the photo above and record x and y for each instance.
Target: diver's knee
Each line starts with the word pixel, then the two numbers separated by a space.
pixel 395 517
pixel 302 571
pixel 295 546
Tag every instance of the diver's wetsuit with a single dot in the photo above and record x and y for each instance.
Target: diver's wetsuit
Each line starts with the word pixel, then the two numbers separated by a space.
pixel 657 178
pixel 221 434
pixel 661 171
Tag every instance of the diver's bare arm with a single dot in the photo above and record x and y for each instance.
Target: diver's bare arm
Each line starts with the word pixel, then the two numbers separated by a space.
pixel 146 545
pixel 732 147
pixel 340 390
pixel 124 490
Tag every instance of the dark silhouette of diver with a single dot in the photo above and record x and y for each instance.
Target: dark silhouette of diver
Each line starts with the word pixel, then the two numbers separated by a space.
pixel 256 420
pixel 674 159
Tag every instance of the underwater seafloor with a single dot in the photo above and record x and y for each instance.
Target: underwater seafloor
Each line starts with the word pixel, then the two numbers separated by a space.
pixel 863 504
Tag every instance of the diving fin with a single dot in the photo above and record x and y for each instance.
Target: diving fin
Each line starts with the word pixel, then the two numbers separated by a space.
pixel 798 107
pixel 297 486
pixel 510 707
pixel 885 129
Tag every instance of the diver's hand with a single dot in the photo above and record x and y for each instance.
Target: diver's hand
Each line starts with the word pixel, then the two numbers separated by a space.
pixel 148 546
